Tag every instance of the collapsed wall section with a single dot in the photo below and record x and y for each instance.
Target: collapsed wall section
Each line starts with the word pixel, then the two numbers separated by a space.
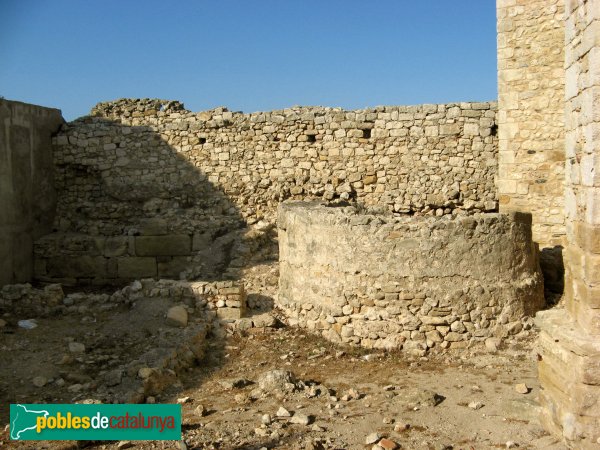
pixel 414 282
pixel 144 186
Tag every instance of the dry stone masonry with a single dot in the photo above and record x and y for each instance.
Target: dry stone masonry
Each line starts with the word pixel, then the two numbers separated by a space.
pixel 145 185
pixel 405 250
pixel 531 113
pixel 569 346
pixel 385 281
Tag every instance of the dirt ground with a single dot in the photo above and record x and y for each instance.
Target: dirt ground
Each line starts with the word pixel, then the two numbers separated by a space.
pixel 339 396
pixel 425 400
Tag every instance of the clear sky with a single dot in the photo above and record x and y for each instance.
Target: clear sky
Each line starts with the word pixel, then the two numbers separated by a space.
pixel 248 55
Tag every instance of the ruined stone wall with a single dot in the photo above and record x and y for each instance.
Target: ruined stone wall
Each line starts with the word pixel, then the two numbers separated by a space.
pixel 569 344
pixel 27 196
pixel 531 113
pixel 414 282
pixel 146 185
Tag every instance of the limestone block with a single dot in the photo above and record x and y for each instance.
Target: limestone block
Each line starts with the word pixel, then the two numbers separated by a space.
pixel 172 267
pixel 116 246
pixel 77 267
pixel 136 267
pixel 201 241
pixel 230 313
pixel 169 245
pixel 177 316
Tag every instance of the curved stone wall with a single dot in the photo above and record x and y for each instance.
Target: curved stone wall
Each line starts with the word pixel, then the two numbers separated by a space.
pixel 415 282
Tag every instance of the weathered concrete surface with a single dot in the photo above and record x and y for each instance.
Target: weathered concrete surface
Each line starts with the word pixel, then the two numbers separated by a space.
pixel 27 196
pixel 387 281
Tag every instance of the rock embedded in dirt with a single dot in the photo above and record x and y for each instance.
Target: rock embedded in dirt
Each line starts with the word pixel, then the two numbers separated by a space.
pixel 177 316
pixel 76 347
pixel 417 398
pixel 401 426
pixel 265 320
pixel 522 388
pixel 39 381
pixel 124 444
pixel 282 412
pixel 475 405
pixel 372 438
pixel 200 410
pixel 266 419
pixel 277 380
pixel 388 444
pixel 301 419
pixel 145 372
pixel 261 432
pixel 492 344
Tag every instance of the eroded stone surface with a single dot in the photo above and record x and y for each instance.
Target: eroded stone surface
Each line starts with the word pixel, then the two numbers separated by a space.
pixel 391 282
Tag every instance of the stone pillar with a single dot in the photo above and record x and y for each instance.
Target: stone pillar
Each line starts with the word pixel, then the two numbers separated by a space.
pixel 530 114
pixel 569 346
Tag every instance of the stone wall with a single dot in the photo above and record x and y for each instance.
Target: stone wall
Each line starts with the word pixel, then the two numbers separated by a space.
pixel 531 113
pixel 27 196
pixel 569 345
pixel 145 185
pixel 414 282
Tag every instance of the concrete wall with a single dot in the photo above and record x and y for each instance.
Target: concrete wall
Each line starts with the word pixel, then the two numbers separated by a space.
pixel 531 113
pixel 27 195
pixel 414 282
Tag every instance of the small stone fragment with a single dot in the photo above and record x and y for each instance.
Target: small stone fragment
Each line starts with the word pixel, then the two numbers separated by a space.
pixel 266 419
pixel 282 412
pixel 301 419
pixel 145 372
pixel 39 381
pixel 401 426
pixel 177 316
pixel 387 444
pixel 76 347
pixel 372 438
pixel 200 410
pixel 475 405
pixel 511 444
pixel 124 444
pixel 183 400
pixel 522 388
pixel 277 380
pixel 492 344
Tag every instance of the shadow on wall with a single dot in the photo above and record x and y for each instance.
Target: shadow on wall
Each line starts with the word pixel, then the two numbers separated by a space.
pixel 131 206
pixel 553 269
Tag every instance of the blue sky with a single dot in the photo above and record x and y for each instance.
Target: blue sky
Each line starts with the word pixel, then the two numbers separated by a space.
pixel 248 55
